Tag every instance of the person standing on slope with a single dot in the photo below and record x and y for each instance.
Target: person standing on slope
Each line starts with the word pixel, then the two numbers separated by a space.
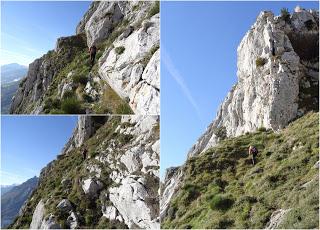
pixel 253 152
pixel 92 51
pixel 84 152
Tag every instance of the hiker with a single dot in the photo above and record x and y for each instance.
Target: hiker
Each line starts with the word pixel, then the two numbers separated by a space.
pixel 84 152
pixel 273 50
pixel 253 151
pixel 92 51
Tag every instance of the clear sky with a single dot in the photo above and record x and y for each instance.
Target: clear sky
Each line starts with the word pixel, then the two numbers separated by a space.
pixel 30 29
pixel 199 41
pixel 28 143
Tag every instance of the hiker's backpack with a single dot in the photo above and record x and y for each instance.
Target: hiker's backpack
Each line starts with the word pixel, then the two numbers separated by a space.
pixel 254 150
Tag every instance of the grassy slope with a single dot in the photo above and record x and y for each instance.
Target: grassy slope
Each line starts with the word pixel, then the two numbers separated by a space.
pixel 223 190
pixel 80 67
pixel 72 166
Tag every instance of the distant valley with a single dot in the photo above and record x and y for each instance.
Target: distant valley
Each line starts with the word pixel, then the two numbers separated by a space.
pixel 11 76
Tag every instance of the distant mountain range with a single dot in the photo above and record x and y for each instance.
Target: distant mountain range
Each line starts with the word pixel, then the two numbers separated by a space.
pixel 11 76
pixel 7 188
pixel 12 72
pixel 13 198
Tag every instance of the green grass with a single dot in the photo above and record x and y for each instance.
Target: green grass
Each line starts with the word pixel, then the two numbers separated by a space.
pixel 71 106
pixel 260 61
pixel 119 50
pixel 154 10
pixel 234 194
pixel 111 103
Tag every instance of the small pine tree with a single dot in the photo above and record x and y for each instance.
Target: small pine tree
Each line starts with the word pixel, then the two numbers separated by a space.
pixel 285 15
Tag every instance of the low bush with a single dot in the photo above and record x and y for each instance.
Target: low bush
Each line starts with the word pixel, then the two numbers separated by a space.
pixel 154 10
pixel 260 61
pixel 220 202
pixel 123 109
pixel 119 50
pixel 262 129
pixel 285 15
pixel 68 94
pixel 71 106
pixel 80 79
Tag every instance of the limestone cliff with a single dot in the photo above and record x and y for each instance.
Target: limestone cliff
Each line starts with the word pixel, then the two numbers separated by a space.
pixel 273 89
pixel 278 78
pixel 119 176
pixel 125 78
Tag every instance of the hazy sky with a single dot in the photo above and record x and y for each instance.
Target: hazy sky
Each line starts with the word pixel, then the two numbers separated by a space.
pixel 30 29
pixel 29 143
pixel 199 43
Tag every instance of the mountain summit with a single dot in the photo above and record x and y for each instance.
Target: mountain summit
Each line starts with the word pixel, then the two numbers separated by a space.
pixel 273 106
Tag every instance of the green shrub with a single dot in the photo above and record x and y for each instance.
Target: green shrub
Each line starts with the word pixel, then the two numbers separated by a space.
pixel 262 129
pixel 68 94
pixel 119 50
pixel 261 61
pixel 154 10
pixel 191 192
pixel 71 106
pixel 124 138
pixel 123 109
pixel 285 15
pixel 80 79
pixel 144 61
pixel 221 132
pixel 87 98
pixel 220 202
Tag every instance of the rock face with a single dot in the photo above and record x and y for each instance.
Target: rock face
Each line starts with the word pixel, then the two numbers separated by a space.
pixel 277 81
pixel 278 78
pixel 119 176
pixel 41 73
pixel 276 218
pixel 84 130
pixel 127 36
pixel 37 216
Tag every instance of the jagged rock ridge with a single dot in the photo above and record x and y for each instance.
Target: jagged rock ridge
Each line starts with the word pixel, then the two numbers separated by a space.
pixel 126 34
pixel 283 87
pixel 119 177
pixel 278 78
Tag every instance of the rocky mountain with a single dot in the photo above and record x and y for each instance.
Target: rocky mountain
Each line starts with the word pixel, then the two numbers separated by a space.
pixel 114 185
pixel 13 199
pixel 11 76
pixel 8 90
pixel 7 188
pixel 12 72
pixel 125 78
pixel 278 78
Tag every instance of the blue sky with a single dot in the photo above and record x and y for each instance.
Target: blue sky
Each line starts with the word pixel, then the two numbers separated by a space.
pixel 28 143
pixel 199 41
pixel 30 29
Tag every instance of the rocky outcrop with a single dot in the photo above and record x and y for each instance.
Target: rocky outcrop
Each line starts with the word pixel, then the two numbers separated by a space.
pixel 119 176
pixel 86 127
pixel 31 95
pixel 135 73
pixel 276 218
pixel 277 81
pixel 37 216
pixel 136 173
pixel 172 181
pixel 278 78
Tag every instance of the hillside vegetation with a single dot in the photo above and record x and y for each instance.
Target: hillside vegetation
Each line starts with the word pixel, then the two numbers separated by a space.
pixel 222 189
